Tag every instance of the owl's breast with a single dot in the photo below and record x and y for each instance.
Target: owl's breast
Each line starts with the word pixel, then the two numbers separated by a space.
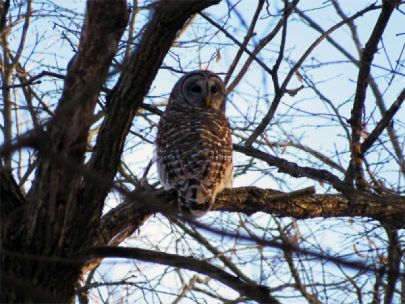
pixel 193 128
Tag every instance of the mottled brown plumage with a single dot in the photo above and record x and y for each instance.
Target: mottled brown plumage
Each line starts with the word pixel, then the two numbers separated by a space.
pixel 194 144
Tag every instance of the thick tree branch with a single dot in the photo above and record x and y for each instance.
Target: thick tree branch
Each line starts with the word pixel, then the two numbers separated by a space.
pixel 303 204
pixel 389 209
pixel 4 7
pixel 51 219
pixel 128 94
pixel 355 170
pixel 55 187
pixel 10 194
pixel 255 292
pixel 28 289
pixel 12 204
pixel 394 264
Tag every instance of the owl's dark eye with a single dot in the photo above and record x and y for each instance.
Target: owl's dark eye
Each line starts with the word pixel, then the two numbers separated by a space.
pixel 196 89
pixel 214 89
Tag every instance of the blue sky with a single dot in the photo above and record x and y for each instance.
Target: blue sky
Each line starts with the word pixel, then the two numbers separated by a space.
pixel 337 82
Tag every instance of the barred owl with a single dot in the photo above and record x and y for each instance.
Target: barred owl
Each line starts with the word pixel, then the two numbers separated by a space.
pixel 194 144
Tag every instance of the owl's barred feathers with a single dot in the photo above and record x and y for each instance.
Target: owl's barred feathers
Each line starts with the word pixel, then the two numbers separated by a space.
pixel 194 145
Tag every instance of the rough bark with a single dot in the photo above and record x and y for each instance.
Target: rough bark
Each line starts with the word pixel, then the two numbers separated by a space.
pixel 127 97
pixel 46 226
pixel 303 204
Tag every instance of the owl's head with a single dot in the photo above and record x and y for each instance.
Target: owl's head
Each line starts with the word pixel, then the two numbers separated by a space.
pixel 200 89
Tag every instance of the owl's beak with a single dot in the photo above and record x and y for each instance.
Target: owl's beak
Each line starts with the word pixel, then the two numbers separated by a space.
pixel 208 100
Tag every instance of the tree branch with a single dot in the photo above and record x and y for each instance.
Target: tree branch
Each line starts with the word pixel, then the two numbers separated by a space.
pixel 289 257
pixel 374 88
pixel 249 34
pixel 255 292
pixel 277 98
pixel 302 204
pixel 214 250
pixel 355 168
pixel 249 200
pixel 12 202
pixel 382 124
pixel 394 264
pixel 128 94
pixel 241 45
pixel 10 193
pixel 293 169
pixel 54 189
pixel 262 43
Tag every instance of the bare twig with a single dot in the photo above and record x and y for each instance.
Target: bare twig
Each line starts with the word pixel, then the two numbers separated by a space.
pixel 262 43
pixel 277 98
pixel 243 47
pixel 374 87
pixel 382 124
pixel 254 292
pixel 292 168
pixel 248 35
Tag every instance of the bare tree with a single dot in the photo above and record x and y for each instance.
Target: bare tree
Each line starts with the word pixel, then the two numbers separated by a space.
pixel 324 128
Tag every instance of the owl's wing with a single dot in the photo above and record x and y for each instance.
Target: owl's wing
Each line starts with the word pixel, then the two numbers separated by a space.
pixel 195 158
pixel 179 162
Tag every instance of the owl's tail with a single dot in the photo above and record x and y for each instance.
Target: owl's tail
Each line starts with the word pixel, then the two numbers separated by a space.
pixel 194 198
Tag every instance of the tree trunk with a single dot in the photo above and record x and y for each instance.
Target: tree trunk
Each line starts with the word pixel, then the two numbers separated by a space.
pixel 41 234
